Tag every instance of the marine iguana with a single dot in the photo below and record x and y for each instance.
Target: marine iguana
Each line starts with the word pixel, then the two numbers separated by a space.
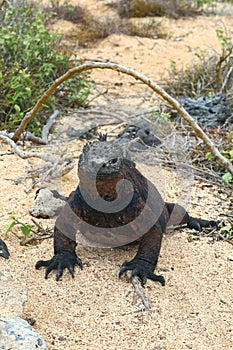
pixel 4 250
pixel 113 205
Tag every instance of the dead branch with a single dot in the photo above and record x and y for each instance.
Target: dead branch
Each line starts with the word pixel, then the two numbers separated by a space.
pixel 45 234
pixel 225 239
pixel 45 157
pixel 48 125
pixel 35 238
pixel 28 136
pixel 40 228
pixel 156 88
pixel 57 167
pixel 138 309
pixel 139 291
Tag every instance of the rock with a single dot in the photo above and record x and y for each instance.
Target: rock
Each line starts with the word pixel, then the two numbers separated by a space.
pixel 207 111
pixel 47 204
pixel 85 133
pixel 12 296
pixel 16 333
pixel 141 129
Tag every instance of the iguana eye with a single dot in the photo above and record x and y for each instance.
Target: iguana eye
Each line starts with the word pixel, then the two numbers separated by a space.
pixel 113 161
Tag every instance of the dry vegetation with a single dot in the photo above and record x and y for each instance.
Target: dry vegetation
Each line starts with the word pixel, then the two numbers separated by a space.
pixel 210 75
pixel 91 28
pixel 143 8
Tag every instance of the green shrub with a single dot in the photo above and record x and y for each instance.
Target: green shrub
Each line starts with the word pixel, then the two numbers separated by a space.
pixel 30 60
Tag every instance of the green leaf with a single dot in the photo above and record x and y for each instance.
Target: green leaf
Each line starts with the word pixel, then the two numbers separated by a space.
pixel 17 108
pixel 28 91
pixel 26 229
pixel 15 216
pixel 9 227
pixel 208 155
pixel 227 177
pixel 227 228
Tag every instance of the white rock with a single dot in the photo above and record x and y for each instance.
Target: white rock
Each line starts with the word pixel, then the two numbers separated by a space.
pixel 46 205
pixel 16 333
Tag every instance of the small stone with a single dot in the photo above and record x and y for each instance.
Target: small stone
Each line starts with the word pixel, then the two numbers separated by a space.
pixel 61 338
pixel 30 320
pixel 47 204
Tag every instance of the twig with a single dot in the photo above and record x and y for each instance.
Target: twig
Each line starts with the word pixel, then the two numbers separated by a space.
pixel 156 88
pixel 20 153
pixel 45 157
pixel 45 234
pixel 227 311
pixel 227 215
pixel 59 166
pixel 211 177
pixel 28 136
pixel 97 96
pixel 227 77
pixel 140 308
pixel 139 291
pixel 36 238
pixel 48 125
pixel 210 233
pixel 140 41
pixel 225 239
pixel 117 127
pixel 40 228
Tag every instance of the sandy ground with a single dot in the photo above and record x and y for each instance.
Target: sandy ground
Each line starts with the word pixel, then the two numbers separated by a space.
pixel 95 310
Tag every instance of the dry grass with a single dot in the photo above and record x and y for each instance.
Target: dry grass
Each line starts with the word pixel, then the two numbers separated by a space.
pixel 142 8
pixel 194 80
pixel 211 74
pixel 75 14
pixel 90 28
pixel 94 29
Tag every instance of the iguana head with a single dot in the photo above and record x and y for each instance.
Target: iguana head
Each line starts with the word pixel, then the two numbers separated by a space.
pixel 103 160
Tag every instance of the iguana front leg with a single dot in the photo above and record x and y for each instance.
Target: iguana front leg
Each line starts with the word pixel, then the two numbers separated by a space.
pixel 64 256
pixel 64 244
pixel 146 259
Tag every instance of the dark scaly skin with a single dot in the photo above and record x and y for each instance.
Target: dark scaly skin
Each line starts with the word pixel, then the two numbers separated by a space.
pixel 4 250
pixel 111 164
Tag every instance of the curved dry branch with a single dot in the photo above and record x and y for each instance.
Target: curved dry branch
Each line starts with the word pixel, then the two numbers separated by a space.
pixel 156 88
pixel 57 167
